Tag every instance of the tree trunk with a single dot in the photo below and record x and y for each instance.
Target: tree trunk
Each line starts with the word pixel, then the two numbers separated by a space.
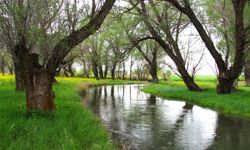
pixel 18 78
pixel 113 73
pixel 130 70
pixel 100 72
pixel 106 71
pixel 85 70
pixel 37 81
pixel 191 85
pixel 38 88
pixel 247 74
pixel 225 86
pixel 2 66
pixel 124 71
pixel 95 70
pixel 153 73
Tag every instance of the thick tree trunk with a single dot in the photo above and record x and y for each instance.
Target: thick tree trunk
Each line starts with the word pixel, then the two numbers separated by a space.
pixel 38 89
pixel 227 83
pixel 225 86
pixel 36 80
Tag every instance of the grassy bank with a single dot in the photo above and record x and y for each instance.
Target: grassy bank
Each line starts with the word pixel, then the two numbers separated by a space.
pixel 72 126
pixel 237 104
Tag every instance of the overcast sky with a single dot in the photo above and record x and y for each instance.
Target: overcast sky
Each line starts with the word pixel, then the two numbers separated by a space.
pixel 207 65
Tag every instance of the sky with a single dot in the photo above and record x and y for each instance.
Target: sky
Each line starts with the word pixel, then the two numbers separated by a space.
pixel 207 65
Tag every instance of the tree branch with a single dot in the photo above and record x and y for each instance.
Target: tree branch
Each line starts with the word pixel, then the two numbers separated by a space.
pixel 76 37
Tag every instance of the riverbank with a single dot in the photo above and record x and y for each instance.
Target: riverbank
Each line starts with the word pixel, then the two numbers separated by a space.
pixel 237 104
pixel 71 126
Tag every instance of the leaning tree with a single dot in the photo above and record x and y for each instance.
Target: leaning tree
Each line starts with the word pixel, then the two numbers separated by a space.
pixel 227 74
pixel 32 23
pixel 165 26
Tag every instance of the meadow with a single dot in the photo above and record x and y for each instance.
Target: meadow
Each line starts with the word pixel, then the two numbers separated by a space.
pixel 71 126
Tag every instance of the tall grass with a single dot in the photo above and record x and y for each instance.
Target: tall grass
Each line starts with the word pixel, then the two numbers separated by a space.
pixel 71 126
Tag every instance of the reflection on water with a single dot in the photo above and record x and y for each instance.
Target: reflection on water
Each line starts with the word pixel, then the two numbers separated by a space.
pixel 155 123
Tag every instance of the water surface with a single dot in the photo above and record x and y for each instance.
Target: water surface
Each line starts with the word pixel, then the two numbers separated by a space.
pixel 152 123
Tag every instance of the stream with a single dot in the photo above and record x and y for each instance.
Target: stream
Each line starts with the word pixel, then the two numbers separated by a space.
pixel 146 122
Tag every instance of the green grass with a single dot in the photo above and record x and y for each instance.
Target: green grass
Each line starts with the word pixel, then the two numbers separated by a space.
pixel 71 126
pixel 236 104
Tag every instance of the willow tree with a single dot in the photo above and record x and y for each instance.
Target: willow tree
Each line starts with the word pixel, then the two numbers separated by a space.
pixel 165 26
pixel 220 18
pixel 227 74
pixel 34 21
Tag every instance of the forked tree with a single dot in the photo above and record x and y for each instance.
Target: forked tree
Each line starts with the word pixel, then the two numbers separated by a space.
pixel 160 25
pixel 37 75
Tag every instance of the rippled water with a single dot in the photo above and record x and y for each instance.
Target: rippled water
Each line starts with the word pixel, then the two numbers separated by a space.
pixel 152 123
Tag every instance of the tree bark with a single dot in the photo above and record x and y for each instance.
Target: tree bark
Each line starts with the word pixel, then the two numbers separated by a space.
pixel 124 71
pixel 18 78
pixel 247 74
pixel 106 71
pixel 85 70
pixel 153 73
pixel 225 85
pixel 95 70
pixel 130 69
pixel 191 85
pixel 38 89
pixel 113 73
pixel 100 72
pixel 37 81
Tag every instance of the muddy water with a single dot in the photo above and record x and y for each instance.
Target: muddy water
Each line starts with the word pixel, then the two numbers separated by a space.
pixel 146 122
